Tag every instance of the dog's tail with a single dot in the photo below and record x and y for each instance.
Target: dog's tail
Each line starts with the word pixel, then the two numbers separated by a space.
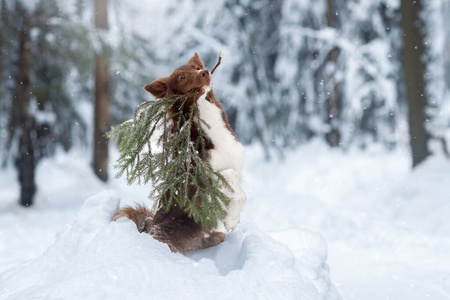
pixel 180 232
pixel 141 216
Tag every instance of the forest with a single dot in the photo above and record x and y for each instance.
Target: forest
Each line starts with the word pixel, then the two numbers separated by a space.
pixel 355 83
pixel 353 73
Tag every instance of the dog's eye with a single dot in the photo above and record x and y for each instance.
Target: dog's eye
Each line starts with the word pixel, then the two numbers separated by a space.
pixel 182 77
pixel 198 68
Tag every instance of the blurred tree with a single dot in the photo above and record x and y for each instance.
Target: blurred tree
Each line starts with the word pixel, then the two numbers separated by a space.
pixel 446 13
pixel 334 101
pixel 255 68
pixel 62 44
pixel 415 69
pixel 42 110
pixel 4 54
pixel 102 96
pixel 3 42
pixel 342 84
pixel 21 122
pixel 80 7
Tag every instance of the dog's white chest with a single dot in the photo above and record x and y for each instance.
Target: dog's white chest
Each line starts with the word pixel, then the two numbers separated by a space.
pixel 228 153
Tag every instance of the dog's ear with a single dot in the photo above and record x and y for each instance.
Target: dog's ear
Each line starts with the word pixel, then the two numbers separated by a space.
pixel 158 87
pixel 195 60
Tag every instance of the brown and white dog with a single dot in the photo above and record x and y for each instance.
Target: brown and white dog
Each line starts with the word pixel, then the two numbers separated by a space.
pixel 224 153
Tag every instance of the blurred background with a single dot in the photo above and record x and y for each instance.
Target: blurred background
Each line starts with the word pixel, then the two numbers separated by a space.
pixel 343 105
pixel 356 73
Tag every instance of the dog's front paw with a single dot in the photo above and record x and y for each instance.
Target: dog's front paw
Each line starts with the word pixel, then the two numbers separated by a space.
pixel 237 199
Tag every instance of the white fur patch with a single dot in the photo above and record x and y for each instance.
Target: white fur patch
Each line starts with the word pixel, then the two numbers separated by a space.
pixel 237 200
pixel 227 157
pixel 228 153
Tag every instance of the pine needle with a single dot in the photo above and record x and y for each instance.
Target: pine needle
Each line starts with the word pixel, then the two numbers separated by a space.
pixel 180 173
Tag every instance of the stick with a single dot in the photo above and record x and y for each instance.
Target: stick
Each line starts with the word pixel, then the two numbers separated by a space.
pixel 218 62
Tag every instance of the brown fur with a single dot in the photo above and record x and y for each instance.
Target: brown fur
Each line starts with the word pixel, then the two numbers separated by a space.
pixel 183 80
pixel 175 227
pixel 187 80
pixel 140 215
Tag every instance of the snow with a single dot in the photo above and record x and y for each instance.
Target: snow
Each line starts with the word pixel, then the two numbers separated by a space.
pixel 386 228
pixel 58 250
pixel 99 259
pixel 320 222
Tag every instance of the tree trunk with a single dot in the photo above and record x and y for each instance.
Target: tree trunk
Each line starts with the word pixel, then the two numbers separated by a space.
pixel 2 45
pixel 80 7
pixel 333 136
pixel 415 68
pixel 102 99
pixel 21 122
pixel 446 14
pixel 4 25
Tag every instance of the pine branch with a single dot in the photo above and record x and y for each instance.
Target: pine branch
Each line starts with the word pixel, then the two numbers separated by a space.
pixel 179 173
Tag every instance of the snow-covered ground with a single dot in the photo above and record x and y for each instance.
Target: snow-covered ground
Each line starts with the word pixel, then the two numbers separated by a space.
pixel 387 228
pixel 364 219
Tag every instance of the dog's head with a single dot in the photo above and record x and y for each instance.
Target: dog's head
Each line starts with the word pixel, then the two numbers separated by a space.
pixel 184 79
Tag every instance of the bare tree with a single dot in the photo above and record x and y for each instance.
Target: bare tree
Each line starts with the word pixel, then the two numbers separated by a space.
pixel 102 97
pixel 415 68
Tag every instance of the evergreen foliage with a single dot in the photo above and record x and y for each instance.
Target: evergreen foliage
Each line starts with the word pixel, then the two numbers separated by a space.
pixel 178 170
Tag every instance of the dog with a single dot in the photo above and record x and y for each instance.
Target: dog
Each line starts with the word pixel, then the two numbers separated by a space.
pixel 224 152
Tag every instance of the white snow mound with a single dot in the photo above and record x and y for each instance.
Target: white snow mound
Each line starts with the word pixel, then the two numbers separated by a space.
pixel 95 258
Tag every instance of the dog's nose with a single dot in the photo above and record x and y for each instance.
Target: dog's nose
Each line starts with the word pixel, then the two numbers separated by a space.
pixel 205 73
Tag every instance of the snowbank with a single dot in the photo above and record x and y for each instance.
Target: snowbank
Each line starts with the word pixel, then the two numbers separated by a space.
pixel 95 258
